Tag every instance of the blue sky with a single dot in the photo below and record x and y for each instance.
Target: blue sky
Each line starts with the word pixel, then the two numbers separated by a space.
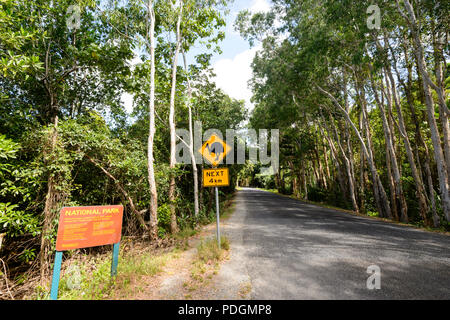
pixel 232 67
pixel 233 43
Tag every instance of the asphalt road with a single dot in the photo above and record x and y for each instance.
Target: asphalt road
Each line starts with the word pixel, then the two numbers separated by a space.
pixel 294 250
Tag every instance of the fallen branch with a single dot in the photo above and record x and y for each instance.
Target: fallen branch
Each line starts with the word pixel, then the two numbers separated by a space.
pixel 126 195
pixel 5 275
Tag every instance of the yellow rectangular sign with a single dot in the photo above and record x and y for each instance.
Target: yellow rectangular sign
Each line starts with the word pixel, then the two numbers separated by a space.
pixel 216 177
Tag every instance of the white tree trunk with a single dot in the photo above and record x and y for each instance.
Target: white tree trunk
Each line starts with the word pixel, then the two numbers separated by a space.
pixel 191 139
pixel 172 127
pixel 379 192
pixel 426 83
pixel 150 158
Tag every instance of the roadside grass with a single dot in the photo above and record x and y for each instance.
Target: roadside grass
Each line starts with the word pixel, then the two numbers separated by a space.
pixel 228 210
pixel 245 290
pixel 87 277
pixel 183 236
pixel 227 207
pixel 91 280
pixel 186 233
pixel 208 250
pixel 206 264
pixel 370 215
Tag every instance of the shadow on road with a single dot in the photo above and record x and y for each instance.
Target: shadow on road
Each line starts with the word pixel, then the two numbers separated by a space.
pixel 297 250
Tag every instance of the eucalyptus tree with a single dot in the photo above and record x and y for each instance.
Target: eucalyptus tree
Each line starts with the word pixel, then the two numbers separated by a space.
pixel 175 27
pixel 179 14
pixel 151 22
pixel 408 13
pixel 317 49
pixel 137 21
pixel 192 21
pixel 200 23
pixel 327 50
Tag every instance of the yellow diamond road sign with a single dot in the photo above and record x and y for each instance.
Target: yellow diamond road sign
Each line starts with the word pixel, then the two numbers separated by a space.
pixel 214 150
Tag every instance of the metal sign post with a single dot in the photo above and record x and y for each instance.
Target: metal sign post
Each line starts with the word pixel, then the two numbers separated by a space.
pixel 115 259
pixel 218 216
pixel 56 275
pixel 217 177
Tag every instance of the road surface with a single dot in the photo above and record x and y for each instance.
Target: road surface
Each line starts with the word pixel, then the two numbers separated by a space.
pixel 294 250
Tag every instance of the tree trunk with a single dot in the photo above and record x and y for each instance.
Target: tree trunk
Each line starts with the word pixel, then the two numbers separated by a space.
pixel 379 192
pixel 362 179
pixel 153 230
pixel 172 187
pixel 347 138
pixel 420 189
pixel 396 169
pixel 418 135
pixel 200 197
pixel 191 140
pixel 334 156
pixel 305 183
pixel 323 182
pixel 316 173
pixel 426 83
pixel 351 185
pixel 325 156
pixel 438 43
pixel 53 201
pixel 294 178
pixel 398 201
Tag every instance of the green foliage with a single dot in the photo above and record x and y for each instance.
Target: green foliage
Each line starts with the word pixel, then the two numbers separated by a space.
pixel 8 149
pixel 224 243
pixel 14 36
pixel 205 218
pixel 208 250
pixel 16 223
pixel 62 119
pixel 28 255
pixel 373 213
pixel 328 47
pixel 186 233
pixel 8 152
pixel 163 219
pixel 317 194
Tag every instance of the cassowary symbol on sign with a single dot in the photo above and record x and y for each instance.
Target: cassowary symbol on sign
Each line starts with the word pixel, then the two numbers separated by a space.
pixel 216 148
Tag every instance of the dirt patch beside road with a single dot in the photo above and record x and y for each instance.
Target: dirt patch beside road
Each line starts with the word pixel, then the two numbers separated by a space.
pixel 185 277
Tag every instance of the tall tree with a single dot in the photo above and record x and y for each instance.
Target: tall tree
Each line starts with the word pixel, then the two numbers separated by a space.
pixel 151 135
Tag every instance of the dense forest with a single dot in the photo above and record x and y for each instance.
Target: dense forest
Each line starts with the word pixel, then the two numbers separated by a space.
pixel 359 90
pixel 66 138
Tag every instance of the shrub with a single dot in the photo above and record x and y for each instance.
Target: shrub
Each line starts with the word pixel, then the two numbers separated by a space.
pixel 163 219
pixel 208 250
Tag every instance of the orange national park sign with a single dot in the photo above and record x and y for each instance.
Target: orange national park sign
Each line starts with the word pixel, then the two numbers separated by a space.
pixel 83 227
